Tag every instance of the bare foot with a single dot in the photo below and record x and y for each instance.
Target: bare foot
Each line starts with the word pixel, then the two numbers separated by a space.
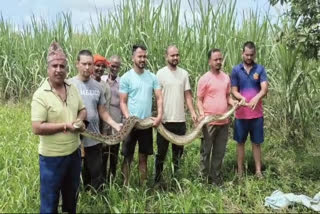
pixel 259 175
pixel 239 173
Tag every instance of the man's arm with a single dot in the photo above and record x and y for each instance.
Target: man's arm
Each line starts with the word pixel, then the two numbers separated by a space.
pixel 264 90
pixel 124 105
pixel 201 92
pixel 230 100
pixel 189 101
pixel 82 114
pixel 237 95
pixel 108 95
pixel 105 116
pixel 235 87
pixel 200 108
pixel 159 100
pixel 45 128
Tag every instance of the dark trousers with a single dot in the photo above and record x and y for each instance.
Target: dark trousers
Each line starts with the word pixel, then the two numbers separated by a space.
pixel 212 151
pixel 109 154
pixel 92 167
pixel 163 144
pixel 59 175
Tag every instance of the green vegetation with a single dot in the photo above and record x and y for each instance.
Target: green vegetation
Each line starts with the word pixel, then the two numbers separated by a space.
pixel 23 53
pixel 303 17
pixel 287 169
pixel 292 108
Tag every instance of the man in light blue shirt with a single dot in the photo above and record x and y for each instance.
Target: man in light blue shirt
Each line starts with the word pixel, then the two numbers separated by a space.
pixel 136 88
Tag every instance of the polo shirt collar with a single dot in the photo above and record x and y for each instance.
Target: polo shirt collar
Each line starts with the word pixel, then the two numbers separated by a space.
pixel 116 80
pixel 254 65
pixel 252 69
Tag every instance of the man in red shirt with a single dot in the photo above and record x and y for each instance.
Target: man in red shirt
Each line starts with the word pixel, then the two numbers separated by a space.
pixel 214 98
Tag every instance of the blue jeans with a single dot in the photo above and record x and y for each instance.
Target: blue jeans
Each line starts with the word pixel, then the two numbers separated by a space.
pixel 59 174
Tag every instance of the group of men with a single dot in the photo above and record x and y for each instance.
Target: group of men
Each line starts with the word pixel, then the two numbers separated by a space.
pixel 106 101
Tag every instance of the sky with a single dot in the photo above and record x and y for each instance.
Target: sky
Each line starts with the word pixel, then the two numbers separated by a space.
pixel 20 12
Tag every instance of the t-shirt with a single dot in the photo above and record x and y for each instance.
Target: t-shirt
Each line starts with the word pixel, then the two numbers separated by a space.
pixel 139 88
pixel 47 106
pixel 248 86
pixel 214 89
pixel 173 85
pixel 92 95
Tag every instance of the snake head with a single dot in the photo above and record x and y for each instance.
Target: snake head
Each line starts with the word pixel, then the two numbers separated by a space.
pixel 80 124
pixel 241 103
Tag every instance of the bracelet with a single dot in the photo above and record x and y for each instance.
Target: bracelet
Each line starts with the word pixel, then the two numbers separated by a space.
pixel 64 128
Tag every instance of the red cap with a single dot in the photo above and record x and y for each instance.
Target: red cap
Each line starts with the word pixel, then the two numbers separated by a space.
pixel 100 59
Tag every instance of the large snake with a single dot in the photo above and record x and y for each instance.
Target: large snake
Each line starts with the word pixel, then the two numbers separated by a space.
pixel 134 122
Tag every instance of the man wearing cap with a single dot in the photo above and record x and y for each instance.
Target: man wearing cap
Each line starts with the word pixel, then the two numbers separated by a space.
pixel 112 79
pixel 93 97
pixel 100 64
pixel 55 106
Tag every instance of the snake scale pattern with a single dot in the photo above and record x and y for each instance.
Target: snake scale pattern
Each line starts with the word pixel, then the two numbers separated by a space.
pixel 134 122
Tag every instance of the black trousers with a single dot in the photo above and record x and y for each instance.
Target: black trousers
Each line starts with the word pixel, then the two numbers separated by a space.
pixel 109 154
pixel 178 128
pixel 92 167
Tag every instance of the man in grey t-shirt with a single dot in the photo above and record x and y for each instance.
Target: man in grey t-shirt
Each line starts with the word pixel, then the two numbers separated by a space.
pixel 93 98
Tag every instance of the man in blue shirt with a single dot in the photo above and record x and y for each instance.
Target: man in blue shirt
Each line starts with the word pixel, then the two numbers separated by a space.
pixel 136 87
pixel 249 83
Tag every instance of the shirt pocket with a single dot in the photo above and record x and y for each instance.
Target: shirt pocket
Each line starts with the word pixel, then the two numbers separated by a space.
pixel 53 113
pixel 73 103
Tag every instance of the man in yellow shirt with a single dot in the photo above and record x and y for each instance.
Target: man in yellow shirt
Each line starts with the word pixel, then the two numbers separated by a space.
pixel 55 106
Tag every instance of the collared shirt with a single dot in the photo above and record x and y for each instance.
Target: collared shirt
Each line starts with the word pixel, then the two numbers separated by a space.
pixel 92 95
pixel 48 107
pixel 139 88
pixel 248 86
pixel 105 128
pixel 107 92
pixel 173 85
pixel 214 90
pixel 114 107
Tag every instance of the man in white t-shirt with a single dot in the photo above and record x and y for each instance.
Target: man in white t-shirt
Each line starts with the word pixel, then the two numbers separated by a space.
pixel 175 86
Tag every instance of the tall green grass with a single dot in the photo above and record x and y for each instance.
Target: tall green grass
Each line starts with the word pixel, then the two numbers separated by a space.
pixel 285 169
pixel 208 25
pixel 292 105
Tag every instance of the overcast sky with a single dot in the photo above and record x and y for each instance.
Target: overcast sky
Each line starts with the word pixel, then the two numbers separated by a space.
pixel 20 11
